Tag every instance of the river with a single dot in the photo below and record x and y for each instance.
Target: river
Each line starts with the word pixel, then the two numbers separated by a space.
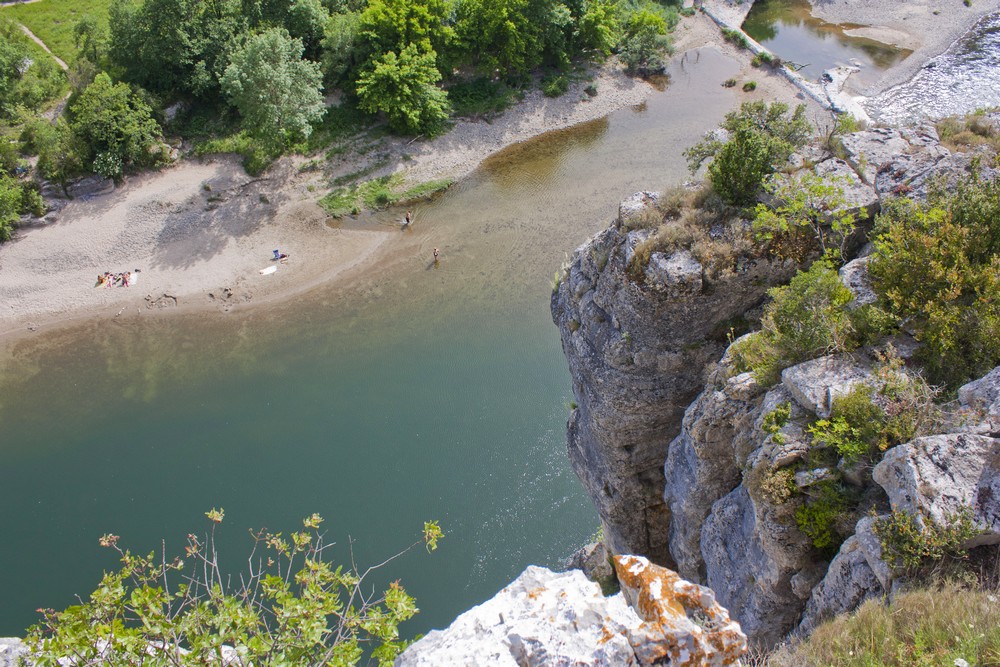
pixel 419 391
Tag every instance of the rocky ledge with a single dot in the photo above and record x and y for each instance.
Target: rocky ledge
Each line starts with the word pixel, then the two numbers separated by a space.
pixel 549 618
pixel 680 468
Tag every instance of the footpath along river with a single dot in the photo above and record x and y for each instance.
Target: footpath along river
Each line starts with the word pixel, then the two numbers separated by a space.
pixel 416 392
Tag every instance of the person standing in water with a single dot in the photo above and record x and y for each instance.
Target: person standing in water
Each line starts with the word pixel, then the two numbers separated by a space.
pixel 436 253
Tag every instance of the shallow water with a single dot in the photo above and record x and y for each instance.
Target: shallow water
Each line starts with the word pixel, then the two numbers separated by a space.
pixel 964 78
pixel 418 391
pixel 788 29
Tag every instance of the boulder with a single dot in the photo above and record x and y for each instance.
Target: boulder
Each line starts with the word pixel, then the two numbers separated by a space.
pixel 936 476
pixel 982 397
pixel 635 353
pixel 859 197
pixel 594 560
pixel 866 150
pixel 636 206
pixel 677 273
pixel 815 384
pixel 548 618
pixel 90 186
pixel 703 464
pixel 682 622
pixel 11 651
pixel 855 277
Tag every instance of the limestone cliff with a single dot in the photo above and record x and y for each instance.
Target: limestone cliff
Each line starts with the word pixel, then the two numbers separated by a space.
pixel 681 463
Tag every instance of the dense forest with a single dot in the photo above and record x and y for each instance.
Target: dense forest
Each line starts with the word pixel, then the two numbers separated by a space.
pixel 260 77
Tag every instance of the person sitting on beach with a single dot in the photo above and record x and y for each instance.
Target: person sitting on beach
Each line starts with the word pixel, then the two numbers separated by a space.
pixel 126 278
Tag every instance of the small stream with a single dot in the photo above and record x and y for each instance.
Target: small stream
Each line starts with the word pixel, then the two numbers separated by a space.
pixel 788 29
pixel 964 78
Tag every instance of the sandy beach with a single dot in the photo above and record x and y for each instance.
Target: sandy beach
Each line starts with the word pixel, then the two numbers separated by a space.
pixel 200 232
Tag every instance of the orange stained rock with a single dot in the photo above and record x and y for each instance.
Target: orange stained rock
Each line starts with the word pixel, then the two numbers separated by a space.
pixel 681 621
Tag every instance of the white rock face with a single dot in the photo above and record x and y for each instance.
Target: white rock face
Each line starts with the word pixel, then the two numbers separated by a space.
pixel 936 476
pixel 815 384
pixel 11 650
pixel 548 618
pixel 983 398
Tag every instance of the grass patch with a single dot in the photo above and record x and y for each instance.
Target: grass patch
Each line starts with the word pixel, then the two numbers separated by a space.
pixel 255 158
pixel 934 626
pixel 53 21
pixel 378 193
pixel 338 123
pixel 966 133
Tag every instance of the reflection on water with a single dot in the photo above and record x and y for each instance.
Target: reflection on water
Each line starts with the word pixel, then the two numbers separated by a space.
pixel 414 392
pixel 964 78
pixel 788 28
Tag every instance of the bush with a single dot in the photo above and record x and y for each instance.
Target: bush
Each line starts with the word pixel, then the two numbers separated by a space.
pixel 936 266
pixel 820 516
pixel 761 137
pixel 555 85
pixel 805 319
pixel 749 86
pixel 916 544
pixel 291 607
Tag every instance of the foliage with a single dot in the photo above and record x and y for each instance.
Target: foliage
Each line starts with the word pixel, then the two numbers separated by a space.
pixel 777 485
pixel 61 153
pixel 276 92
pixel 28 77
pixel 405 88
pixel 290 607
pixel 761 136
pixel 968 132
pixel 818 517
pixel 555 85
pixel 810 209
pixel 55 23
pixel 914 542
pixel 805 319
pixel 937 267
pixel 775 420
pixel 599 28
pixel 307 21
pixel 481 97
pixel 735 37
pixel 257 156
pixel 927 627
pixel 340 47
pixel 379 193
pixel 499 36
pixel 174 47
pixel 395 25
pixel 645 42
pixel 109 119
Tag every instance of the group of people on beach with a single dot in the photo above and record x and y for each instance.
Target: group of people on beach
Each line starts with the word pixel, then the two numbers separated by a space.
pixel 108 279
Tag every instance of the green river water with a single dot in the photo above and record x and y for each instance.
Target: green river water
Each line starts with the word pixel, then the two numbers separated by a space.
pixel 411 393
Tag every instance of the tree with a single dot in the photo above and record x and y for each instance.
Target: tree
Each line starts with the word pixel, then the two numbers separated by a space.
pixel 393 25
pixel 11 199
pixel 291 606
pixel 405 88
pixel 276 92
pixel 340 47
pixel 14 62
pixel 307 20
pixel 115 125
pixel 761 136
pixel 645 42
pixel 498 35
pixel 600 29
pixel 809 209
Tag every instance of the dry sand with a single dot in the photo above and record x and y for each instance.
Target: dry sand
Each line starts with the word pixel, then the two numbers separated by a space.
pixel 200 231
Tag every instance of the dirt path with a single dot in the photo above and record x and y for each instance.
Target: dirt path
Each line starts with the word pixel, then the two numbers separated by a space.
pixel 38 41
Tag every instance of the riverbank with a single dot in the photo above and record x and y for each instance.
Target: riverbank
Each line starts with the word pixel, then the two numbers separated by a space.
pixel 200 232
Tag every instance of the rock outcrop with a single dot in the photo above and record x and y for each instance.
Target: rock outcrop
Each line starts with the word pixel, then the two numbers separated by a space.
pixel 636 352
pixel 12 650
pixel 547 618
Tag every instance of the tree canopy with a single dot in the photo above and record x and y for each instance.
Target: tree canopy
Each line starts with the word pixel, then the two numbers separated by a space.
pixel 277 93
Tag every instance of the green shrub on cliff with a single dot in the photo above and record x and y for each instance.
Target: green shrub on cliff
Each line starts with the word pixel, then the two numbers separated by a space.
pixel 291 607
pixel 936 266
pixel 805 319
pixel 761 137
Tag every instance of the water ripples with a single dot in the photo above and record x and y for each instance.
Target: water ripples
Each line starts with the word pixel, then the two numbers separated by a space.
pixel 964 78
